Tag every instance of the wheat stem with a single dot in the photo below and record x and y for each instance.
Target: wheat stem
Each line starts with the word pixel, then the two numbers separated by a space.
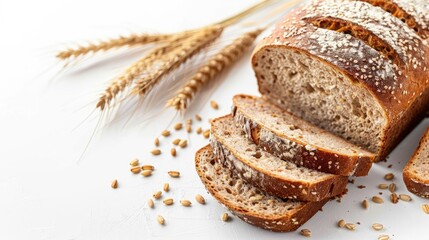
pixel 186 49
pixel 207 72
pixel 237 17
pixel 131 40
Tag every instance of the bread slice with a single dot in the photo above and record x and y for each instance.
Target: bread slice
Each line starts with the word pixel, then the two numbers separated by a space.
pixel 249 203
pixel 416 172
pixel 271 174
pixel 293 139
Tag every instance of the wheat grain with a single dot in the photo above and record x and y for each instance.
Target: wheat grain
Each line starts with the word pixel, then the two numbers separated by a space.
pixel 184 50
pixel 225 217
pixel 185 203
pixel 173 152
pixel 114 184
pixel 122 41
pixel 305 232
pixel 134 162
pixel 168 201
pixel 200 199
pixel 150 203
pixel 135 169
pixel 223 59
pixel 160 219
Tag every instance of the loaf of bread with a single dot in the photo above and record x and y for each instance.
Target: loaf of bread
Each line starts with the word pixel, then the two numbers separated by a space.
pixel 293 139
pixel 416 172
pixel 358 69
pixel 277 177
pixel 249 203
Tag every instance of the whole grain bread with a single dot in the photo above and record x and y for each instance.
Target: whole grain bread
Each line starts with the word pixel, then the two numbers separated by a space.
pixel 271 174
pixel 293 139
pixel 249 203
pixel 416 172
pixel 349 67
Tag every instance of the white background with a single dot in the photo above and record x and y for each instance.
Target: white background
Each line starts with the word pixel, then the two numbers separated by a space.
pixel 46 193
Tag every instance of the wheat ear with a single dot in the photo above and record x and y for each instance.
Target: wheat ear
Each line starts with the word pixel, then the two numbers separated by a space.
pixel 131 40
pixel 223 59
pixel 186 49
pixel 129 75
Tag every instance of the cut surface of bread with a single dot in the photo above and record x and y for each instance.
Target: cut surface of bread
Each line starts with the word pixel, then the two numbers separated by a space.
pixel 271 174
pixel 416 172
pixel 249 203
pixel 293 139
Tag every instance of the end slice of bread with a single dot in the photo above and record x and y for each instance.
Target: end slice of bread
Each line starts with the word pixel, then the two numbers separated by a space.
pixel 293 139
pixel 249 203
pixel 416 172
pixel 271 174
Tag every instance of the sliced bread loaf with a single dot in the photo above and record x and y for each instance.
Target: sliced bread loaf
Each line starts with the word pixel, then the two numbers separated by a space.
pixel 249 203
pixel 293 139
pixel 349 67
pixel 271 174
pixel 416 172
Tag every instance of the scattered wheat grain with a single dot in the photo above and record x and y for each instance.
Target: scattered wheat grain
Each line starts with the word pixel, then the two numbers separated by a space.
pixel 160 219
pixel 165 133
pixel 383 237
pixel 365 204
pixel 383 186
pixel 305 232
pixel 157 195
pixel 174 174
pixel 156 142
pixel 168 201
pixel 389 176
pixel 156 152
pixel 206 133
pixel 148 167
pixel 198 117
pixel 185 203
pixel 166 187
pixel 394 198
pixel 392 187
pixel 183 143
pixel 350 226
pixel 377 226
pixel 225 217
pixel 135 169
pixel 405 197
pixel 173 152
pixel 150 203
pixel 214 105
pixel 199 130
pixel 114 184
pixel 200 199
pixel 341 223
pixel 377 199
pixel 146 173
pixel 178 126
pixel 134 162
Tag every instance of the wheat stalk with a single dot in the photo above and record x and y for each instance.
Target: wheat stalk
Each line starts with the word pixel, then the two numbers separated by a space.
pixel 207 72
pixel 187 48
pixel 137 69
pixel 131 40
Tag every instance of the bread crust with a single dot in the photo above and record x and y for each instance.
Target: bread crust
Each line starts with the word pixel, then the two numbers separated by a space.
pixel 330 186
pixel 414 183
pixel 403 94
pixel 289 221
pixel 319 159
